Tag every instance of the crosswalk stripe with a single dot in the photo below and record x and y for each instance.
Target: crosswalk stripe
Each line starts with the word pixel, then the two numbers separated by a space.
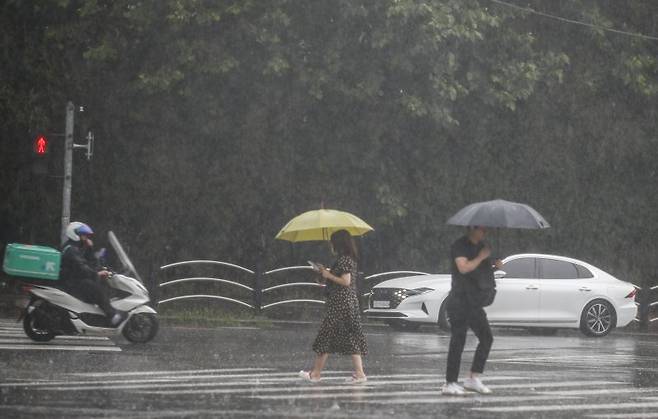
pixel 416 393
pixel 467 399
pixel 172 372
pixel 21 334
pixel 48 347
pixel 254 379
pixel 555 384
pixel 634 415
pixel 539 394
pixel 14 338
pixel 560 407
pixel 631 390
pixel 210 380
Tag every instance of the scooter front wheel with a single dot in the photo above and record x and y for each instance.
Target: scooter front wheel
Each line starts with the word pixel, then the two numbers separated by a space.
pixel 34 331
pixel 141 327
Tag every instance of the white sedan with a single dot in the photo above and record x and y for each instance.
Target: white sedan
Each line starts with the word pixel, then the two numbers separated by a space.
pixel 536 291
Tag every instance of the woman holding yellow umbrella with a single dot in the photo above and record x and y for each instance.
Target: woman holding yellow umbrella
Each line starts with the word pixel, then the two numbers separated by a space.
pixel 340 331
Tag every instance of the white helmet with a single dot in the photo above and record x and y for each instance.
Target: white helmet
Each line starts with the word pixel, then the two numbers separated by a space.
pixel 76 228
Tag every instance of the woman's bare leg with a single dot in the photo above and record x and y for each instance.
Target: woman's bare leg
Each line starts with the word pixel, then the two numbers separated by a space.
pixel 318 365
pixel 358 366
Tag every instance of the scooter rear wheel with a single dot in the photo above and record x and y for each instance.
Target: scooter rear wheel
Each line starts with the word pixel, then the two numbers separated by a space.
pixel 34 331
pixel 141 327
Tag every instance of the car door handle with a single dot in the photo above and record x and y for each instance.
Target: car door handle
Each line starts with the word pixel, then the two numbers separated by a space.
pixel 532 287
pixel 584 289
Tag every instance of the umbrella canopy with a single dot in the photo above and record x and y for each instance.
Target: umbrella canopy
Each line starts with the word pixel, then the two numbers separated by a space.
pixel 499 214
pixel 321 224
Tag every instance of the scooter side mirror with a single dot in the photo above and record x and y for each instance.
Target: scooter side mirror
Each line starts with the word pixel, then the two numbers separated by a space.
pixel 101 256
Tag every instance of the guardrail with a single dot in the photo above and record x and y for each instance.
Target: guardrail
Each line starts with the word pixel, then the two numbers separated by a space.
pixel 256 289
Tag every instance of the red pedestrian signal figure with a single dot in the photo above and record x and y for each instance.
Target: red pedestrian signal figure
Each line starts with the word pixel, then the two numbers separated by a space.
pixel 41 145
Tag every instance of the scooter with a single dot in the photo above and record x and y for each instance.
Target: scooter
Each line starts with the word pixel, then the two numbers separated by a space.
pixel 52 311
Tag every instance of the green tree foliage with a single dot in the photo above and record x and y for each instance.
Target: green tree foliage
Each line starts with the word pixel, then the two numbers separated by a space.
pixel 216 122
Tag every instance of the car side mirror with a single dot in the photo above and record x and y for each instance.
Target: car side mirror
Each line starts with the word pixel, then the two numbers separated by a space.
pixel 499 274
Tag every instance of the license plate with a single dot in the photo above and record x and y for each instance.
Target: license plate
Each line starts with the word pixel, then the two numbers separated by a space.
pixel 381 304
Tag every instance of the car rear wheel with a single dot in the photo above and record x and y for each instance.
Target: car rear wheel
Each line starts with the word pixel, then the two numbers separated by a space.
pixel 598 318
pixel 403 325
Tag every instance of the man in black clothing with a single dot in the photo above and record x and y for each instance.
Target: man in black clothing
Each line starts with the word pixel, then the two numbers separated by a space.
pixel 470 257
pixel 78 272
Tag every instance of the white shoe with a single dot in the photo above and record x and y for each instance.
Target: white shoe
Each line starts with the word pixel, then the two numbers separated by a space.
pixel 356 380
pixel 474 384
pixel 306 376
pixel 452 389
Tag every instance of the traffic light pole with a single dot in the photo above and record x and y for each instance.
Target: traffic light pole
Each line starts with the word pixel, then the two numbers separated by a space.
pixel 68 169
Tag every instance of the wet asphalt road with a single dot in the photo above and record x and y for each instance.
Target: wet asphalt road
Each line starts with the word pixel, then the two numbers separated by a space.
pixel 252 372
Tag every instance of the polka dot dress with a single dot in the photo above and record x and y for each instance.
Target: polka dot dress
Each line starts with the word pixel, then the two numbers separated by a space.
pixel 340 331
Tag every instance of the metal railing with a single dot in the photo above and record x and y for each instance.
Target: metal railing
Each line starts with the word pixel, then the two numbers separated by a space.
pixel 256 289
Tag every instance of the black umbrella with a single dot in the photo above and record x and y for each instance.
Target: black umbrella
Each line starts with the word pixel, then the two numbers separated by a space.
pixel 499 214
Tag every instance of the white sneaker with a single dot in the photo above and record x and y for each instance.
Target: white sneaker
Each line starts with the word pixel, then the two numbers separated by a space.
pixel 357 380
pixel 452 389
pixel 306 376
pixel 474 384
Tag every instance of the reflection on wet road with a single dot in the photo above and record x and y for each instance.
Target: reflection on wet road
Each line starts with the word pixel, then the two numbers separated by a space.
pixel 251 372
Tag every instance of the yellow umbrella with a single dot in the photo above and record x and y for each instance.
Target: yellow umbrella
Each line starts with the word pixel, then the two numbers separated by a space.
pixel 321 224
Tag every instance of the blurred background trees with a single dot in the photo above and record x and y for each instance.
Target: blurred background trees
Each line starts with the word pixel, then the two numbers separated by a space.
pixel 217 122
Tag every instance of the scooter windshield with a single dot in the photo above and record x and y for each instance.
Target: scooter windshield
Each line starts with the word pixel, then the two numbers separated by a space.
pixel 123 257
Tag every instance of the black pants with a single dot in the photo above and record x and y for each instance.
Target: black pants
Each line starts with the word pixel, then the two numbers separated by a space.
pixel 463 316
pixel 92 291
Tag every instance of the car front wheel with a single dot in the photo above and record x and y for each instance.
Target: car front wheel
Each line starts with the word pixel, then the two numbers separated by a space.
pixel 598 318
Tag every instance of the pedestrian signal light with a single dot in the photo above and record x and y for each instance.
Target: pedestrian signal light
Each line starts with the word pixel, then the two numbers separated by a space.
pixel 40 145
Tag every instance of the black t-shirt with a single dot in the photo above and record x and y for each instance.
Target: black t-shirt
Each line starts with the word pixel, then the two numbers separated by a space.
pixel 466 283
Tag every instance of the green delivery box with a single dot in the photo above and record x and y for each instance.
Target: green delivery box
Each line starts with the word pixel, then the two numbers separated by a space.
pixel 32 261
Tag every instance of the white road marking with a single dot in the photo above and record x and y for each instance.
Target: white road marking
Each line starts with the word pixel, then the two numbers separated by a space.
pixel 49 347
pixel 22 339
pixel 538 393
pixel 562 408
pixel 638 415
pixel 469 398
pixel 555 384
pixel 171 378
pixel 406 397
pixel 170 372
pixel 248 380
pixel 601 391
pixel 585 360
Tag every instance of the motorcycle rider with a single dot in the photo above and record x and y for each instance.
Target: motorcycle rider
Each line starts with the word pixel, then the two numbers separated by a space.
pixel 80 274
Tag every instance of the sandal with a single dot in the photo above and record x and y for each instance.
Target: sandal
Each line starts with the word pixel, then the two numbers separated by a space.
pixel 357 380
pixel 306 376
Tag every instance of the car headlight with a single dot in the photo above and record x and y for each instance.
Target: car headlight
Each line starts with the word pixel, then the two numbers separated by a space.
pixel 404 293
pixel 418 291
